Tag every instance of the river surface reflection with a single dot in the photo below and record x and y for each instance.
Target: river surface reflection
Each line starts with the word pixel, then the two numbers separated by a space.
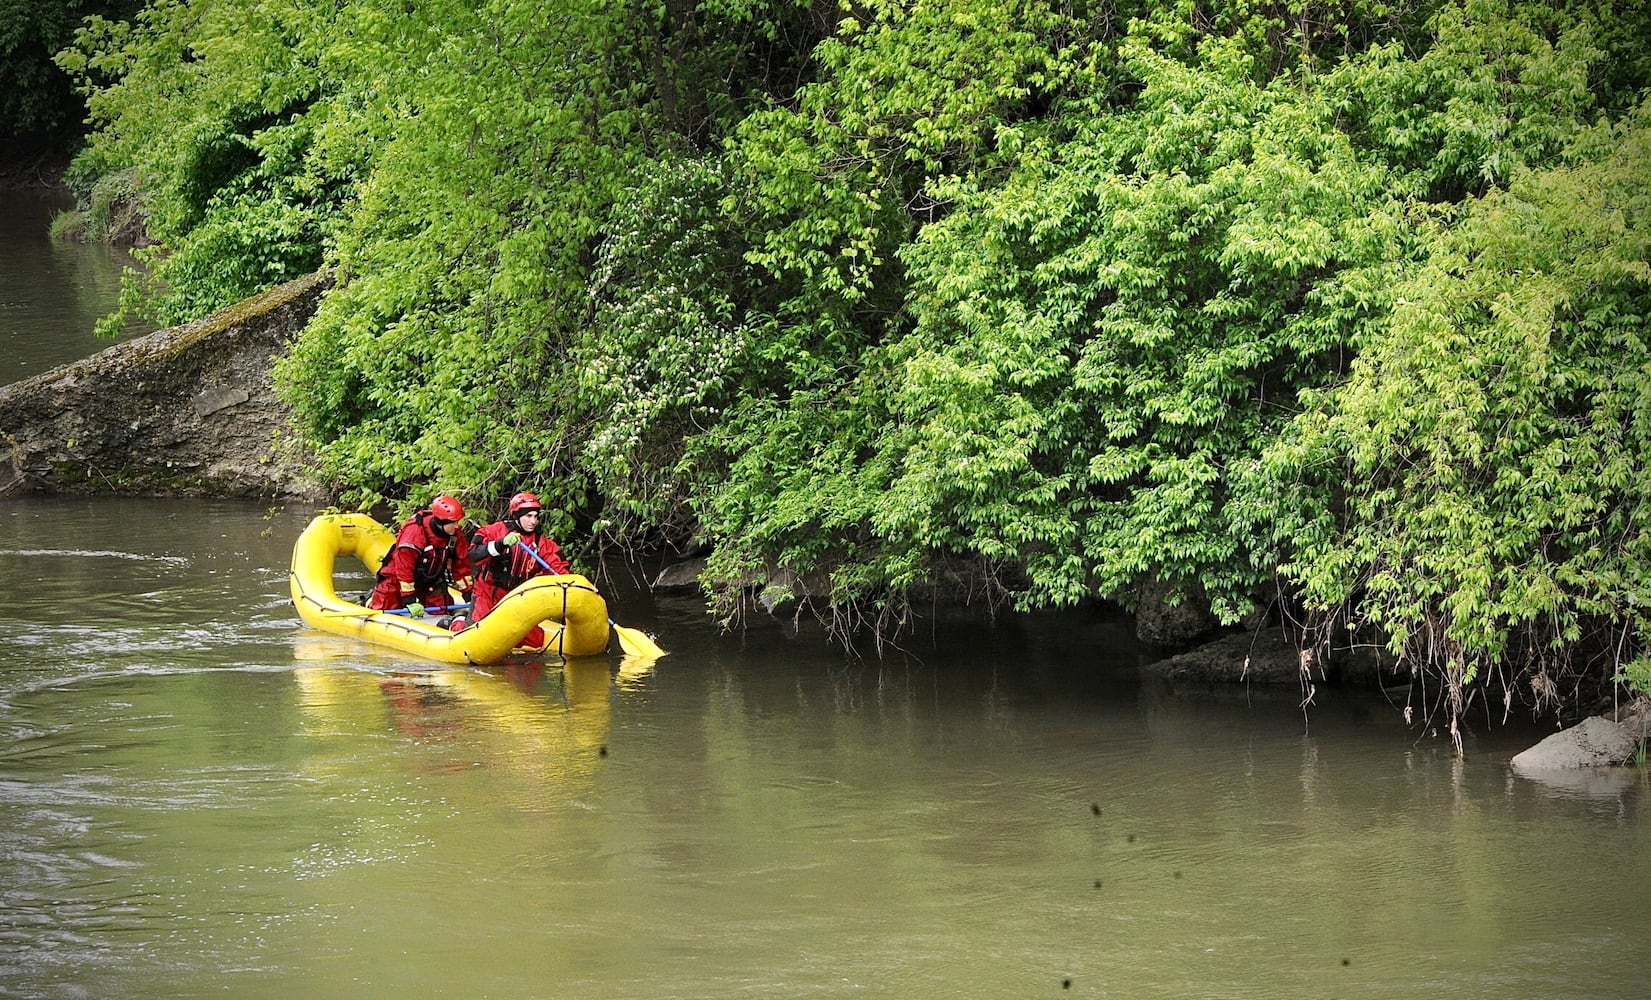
pixel 200 796
pixel 52 292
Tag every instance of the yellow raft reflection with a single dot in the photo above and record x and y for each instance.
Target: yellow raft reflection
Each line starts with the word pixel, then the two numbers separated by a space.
pixel 344 700
pixel 540 730
pixel 569 609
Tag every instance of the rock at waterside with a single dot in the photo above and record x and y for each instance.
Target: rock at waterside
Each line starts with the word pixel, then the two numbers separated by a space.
pixel 682 574
pixel 186 411
pixel 1593 742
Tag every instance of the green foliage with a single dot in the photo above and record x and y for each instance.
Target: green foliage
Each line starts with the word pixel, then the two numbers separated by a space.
pixel 1494 432
pixel 824 193
pixel 1498 87
pixel 1342 300
pixel 668 344
pixel 35 95
pixel 213 109
pixel 31 93
pixel 1105 342
pixel 833 185
pixel 506 153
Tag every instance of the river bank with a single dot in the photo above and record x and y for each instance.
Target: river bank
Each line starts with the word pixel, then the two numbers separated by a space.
pixel 191 411
pixel 35 163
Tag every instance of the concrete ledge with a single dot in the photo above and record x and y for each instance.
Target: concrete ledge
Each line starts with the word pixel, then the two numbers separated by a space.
pixel 186 411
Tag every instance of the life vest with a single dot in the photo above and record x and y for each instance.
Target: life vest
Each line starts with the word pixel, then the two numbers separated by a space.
pixel 433 552
pixel 515 565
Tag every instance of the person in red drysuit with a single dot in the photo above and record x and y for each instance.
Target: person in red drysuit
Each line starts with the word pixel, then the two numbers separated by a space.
pixel 502 555
pixel 430 555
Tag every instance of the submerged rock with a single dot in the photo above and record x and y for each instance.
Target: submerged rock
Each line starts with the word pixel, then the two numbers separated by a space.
pixel 1269 656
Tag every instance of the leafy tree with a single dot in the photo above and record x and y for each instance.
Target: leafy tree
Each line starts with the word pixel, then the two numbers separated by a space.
pixel 1494 431
pixel 1337 302
pixel 825 190
pixel 443 354
pixel 1105 343
pixel 36 97
pixel 213 106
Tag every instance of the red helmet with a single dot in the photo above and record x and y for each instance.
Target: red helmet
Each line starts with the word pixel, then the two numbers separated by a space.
pixel 523 502
pixel 448 509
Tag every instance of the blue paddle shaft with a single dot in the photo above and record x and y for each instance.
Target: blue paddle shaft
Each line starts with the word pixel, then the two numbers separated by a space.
pixel 536 557
pixel 541 560
pixel 546 565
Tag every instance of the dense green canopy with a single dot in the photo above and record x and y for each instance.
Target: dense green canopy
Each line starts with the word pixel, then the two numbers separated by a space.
pixel 37 100
pixel 1339 305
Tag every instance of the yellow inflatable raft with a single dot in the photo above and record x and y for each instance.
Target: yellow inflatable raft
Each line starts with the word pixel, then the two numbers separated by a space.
pixel 572 612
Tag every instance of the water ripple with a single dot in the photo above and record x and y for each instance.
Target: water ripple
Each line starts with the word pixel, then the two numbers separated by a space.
pixel 98 554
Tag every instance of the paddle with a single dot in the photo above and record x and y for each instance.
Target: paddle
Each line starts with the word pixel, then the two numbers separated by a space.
pixel 634 642
pixel 392 611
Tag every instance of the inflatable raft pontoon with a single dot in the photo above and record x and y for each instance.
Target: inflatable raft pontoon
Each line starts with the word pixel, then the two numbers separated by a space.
pixel 569 608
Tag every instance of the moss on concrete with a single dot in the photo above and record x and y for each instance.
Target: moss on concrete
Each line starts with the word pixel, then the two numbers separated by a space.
pixel 126 420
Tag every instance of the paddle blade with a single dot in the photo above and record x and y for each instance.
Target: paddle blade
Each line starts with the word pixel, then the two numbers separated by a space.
pixel 635 642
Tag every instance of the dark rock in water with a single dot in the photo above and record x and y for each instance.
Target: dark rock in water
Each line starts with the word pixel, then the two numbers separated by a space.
pixel 1264 657
pixel 1269 657
pixel 1164 620
pixel 682 574
pixel 187 411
